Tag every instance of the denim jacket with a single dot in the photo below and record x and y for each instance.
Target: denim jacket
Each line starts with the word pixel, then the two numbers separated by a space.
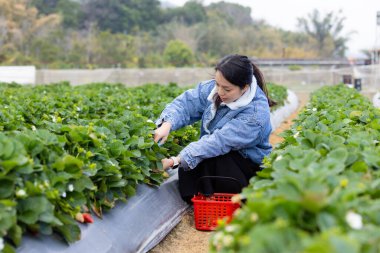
pixel 230 127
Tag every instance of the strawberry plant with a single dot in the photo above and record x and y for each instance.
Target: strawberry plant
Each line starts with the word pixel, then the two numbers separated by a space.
pixel 66 152
pixel 319 190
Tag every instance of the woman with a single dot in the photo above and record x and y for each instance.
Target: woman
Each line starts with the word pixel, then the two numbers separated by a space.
pixel 234 108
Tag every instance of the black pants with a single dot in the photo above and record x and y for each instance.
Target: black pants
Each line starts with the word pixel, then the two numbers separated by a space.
pixel 231 164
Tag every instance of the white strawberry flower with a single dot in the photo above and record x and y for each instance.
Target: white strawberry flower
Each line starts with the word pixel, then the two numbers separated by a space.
pixel 1 244
pixel 354 220
pixel 227 240
pixel 218 237
pixel 21 193
pixel 70 187
pixel 296 134
pixel 34 128
pixel 230 228
pixel 314 109
pixel 236 198
pixel 278 158
pixel 63 194
pixel 254 217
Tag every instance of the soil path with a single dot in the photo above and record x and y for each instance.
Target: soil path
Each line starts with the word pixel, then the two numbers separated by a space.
pixel 184 238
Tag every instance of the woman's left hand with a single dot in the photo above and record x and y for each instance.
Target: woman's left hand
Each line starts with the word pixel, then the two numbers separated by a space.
pixel 167 163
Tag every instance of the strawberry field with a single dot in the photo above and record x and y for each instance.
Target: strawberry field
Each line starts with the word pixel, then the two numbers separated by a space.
pixel 320 189
pixel 67 153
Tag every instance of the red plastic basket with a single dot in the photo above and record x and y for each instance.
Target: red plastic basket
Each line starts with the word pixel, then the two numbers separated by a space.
pixel 208 210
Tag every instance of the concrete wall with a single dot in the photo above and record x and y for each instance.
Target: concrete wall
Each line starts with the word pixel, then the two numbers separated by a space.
pixel 306 79
pixel 18 74
pixel 129 77
pixel 182 76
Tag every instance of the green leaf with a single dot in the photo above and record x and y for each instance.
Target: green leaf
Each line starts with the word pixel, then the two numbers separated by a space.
pixel 265 173
pixel 281 164
pixel 15 234
pixel 375 124
pixel 70 230
pixel 344 245
pixel 140 142
pixel 339 154
pixel 130 190
pixel 263 184
pixel 30 209
pixel 159 165
pixel 47 137
pixel 136 153
pixel 372 158
pixel 76 199
pixel 136 176
pixel 7 217
pixel 6 187
pixel 7 149
pixel 359 166
pixel 326 221
pixel 83 183
pixel 355 114
pixel 117 184
pixel 8 249
pixel 46 229
pixel 70 165
pixel 116 148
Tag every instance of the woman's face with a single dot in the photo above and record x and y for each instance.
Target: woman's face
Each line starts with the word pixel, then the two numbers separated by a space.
pixel 226 90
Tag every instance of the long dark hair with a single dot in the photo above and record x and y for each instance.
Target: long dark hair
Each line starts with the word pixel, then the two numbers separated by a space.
pixel 238 70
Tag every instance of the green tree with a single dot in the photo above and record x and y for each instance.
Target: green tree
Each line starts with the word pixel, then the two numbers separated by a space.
pixel 219 38
pixel 178 54
pixel 191 13
pixel 115 50
pixel 46 7
pixel 71 12
pixel 20 24
pixel 124 16
pixel 47 50
pixel 234 14
pixel 326 30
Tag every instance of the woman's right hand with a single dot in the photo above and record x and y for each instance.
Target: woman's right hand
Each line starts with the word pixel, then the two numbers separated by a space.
pixel 161 134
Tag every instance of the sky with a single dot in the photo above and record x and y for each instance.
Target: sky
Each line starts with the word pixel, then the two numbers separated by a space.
pixel 360 17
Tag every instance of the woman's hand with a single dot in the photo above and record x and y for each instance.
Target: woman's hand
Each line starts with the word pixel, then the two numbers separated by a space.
pixel 169 162
pixel 161 134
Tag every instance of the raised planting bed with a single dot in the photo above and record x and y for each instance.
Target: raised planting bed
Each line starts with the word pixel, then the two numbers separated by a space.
pixel 70 154
pixel 319 191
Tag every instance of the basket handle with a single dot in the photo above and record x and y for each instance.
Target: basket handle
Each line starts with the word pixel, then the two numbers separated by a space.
pixel 216 177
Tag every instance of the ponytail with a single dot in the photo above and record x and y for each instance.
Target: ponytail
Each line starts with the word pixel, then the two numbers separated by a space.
pixel 261 83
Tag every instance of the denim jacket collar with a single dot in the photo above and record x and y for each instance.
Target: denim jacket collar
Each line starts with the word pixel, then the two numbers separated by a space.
pixel 244 100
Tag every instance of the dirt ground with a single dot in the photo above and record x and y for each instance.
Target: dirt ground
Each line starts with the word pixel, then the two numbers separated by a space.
pixel 184 238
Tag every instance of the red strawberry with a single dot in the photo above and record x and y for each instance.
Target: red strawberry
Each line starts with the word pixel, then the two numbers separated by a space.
pixel 87 218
